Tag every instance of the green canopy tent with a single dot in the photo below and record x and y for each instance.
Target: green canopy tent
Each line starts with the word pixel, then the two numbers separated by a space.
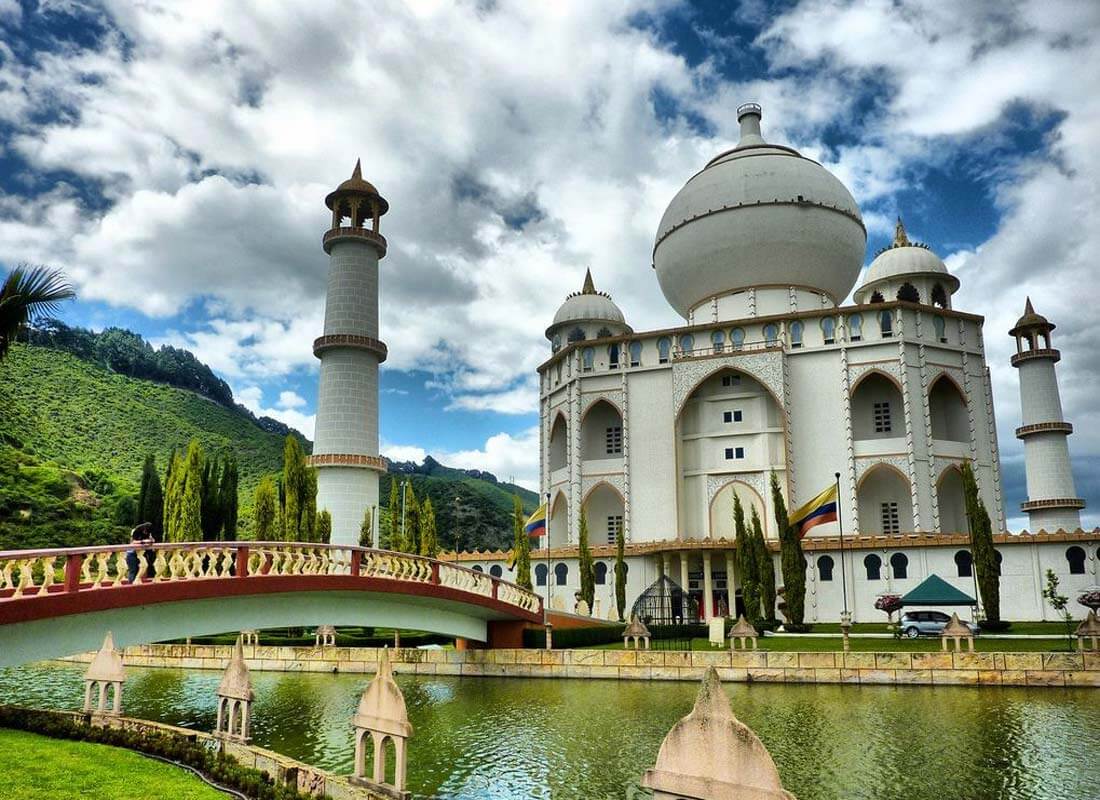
pixel 935 591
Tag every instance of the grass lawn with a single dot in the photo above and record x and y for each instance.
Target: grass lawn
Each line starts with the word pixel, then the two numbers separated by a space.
pixel 40 768
pixel 814 644
pixel 1020 628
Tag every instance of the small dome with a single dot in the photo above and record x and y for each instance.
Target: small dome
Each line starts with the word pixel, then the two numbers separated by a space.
pixel 758 215
pixel 904 257
pixel 357 185
pixel 588 305
pixel 1031 319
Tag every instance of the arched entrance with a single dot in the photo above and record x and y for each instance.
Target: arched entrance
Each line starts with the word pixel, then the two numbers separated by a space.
pixel 877 410
pixel 721 508
pixel 558 524
pixel 951 501
pixel 559 433
pixel 603 507
pixel 885 504
pixel 947 407
pixel 602 432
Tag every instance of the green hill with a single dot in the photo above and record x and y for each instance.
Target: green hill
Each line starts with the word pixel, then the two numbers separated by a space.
pixel 73 435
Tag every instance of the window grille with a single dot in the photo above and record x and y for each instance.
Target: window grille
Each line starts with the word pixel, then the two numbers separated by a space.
pixel 614 528
pixel 613 438
pixel 882 417
pixel 890 520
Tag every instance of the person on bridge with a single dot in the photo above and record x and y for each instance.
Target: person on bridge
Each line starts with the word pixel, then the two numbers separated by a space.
pixel 141 535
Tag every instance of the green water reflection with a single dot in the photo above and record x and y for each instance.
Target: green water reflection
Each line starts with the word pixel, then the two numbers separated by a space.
pixel 499 739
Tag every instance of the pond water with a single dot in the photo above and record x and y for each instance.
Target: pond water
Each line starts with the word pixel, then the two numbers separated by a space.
pixel 507 739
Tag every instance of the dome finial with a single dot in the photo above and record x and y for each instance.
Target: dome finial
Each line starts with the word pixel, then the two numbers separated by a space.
pixel 748 116
pixel 1028 308
pixel 357 173
pixel 900 238
pixel 589 287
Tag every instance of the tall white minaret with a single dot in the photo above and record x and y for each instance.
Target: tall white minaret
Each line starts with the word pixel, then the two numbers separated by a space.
pixel 1052 501
pixel 345 445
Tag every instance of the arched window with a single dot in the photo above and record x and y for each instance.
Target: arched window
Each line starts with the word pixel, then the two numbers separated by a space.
pixel 908 292
pixel 771 333
pixel 478 568
pixel 496 571
pixel 575 335
pixel 599 573
pixel 828 330
pixel 964 564
pixel 886 324
pixel 603 332
pixel 873 565
pixel 940 327
pixel 876 297
pixel 737 338
pixel 899 563
pixel 561 574
pixel 796 334
pixel 1076 557
pixel 613 356
pixel 855 327
pixel 718 339
pixel 555 346
pixel 635 354
pixel 540 575
pixel 663 345
pixel 825 568
pixel 588 359
pixel 687 343
pixel 939 296
pixel 557 372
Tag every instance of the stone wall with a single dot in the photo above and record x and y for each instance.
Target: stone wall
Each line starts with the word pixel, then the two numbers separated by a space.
pixel 306 778
pixel 999 669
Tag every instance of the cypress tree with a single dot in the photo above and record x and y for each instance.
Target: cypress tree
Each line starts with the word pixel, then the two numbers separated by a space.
pixel 765 569
pixel 143 492
pixel 747 568
pixel 620 576
pixel 410 533
pixel 323 527
pixel 429 543
pixel 308 493
pixel 986 569
pixel 293 482
pixel 211 517
pixel 792 562
pixel 393 540
pixel 170 478
pixel 588 580
pixel 227 498
pixel 264 509
pixel 521 543
pixel 185 503
pixel 150 506
pixel 366 530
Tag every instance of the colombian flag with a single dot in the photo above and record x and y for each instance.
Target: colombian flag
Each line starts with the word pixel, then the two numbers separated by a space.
pixel 536 523
pixel 818 511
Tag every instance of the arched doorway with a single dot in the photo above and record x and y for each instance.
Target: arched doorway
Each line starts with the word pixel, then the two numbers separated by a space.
pixel 559 434
pixel 558 523
pixel 603 507
pixel 602 432
pixel 721 509
pixel 951 501
pixel 885 505
pixel 730 427
pixel 947 407
pixel 877 409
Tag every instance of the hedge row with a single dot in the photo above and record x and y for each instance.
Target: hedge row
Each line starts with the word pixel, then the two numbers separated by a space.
pixel 218 767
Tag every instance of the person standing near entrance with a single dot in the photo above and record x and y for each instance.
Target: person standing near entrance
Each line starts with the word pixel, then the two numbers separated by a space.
pixel 140 536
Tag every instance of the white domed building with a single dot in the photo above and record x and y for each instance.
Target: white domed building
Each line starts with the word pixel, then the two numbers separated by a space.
pixel 651 434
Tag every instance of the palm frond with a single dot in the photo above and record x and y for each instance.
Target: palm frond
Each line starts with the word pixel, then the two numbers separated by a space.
pixel 26 294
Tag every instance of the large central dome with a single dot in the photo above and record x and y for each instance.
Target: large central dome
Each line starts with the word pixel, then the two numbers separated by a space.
pixel 759 215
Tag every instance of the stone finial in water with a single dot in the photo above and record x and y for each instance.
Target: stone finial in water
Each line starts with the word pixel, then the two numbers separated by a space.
pixel 637 631
pixel 711 755
pixel 958 632
pixel 106 670
pixel 325 636
pixel 382 715
pixel 235 697
pixel 744 632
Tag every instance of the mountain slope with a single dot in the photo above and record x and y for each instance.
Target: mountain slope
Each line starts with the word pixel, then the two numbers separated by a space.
pixel 73 435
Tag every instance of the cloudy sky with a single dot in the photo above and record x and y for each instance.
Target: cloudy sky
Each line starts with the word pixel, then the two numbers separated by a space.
pixel 172 159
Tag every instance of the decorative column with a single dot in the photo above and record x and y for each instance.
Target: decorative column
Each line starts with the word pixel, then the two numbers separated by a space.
pixel 106 671
pixel 382 716
pixel 708 589
pixel 235 698
pixel 345 447
pixel 1052 501
pixel 731 586
pixel 684 582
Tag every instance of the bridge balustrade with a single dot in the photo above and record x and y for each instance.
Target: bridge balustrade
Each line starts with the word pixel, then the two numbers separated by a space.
pixel 26 574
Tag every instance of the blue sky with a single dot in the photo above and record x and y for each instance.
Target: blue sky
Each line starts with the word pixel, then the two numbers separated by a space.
pixel 172 158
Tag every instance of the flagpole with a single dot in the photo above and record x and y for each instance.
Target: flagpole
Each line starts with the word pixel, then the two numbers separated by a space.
pixel 546 526
pixel 843 566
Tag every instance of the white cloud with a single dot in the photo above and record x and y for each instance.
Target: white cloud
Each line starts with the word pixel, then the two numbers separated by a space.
pixel 251 397
pixel 508 456
pixel 288 399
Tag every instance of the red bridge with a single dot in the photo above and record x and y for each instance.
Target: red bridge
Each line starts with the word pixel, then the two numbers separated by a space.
pixel 59 602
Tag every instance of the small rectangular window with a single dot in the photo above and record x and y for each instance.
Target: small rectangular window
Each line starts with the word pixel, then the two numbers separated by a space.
pixel 729 453
pixel 890 522
pixel 731 380
pixel 882 417
pixel 614 528
pixel 614 440
pixel 739 452
pixel 737 415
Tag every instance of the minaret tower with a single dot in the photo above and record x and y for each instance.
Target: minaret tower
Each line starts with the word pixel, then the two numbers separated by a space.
pixel 1052 501
pixel 345 446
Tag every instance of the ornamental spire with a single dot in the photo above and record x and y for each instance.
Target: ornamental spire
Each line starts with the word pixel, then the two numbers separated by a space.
pixel 357 173
pixel 589 287
pixel 900 238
